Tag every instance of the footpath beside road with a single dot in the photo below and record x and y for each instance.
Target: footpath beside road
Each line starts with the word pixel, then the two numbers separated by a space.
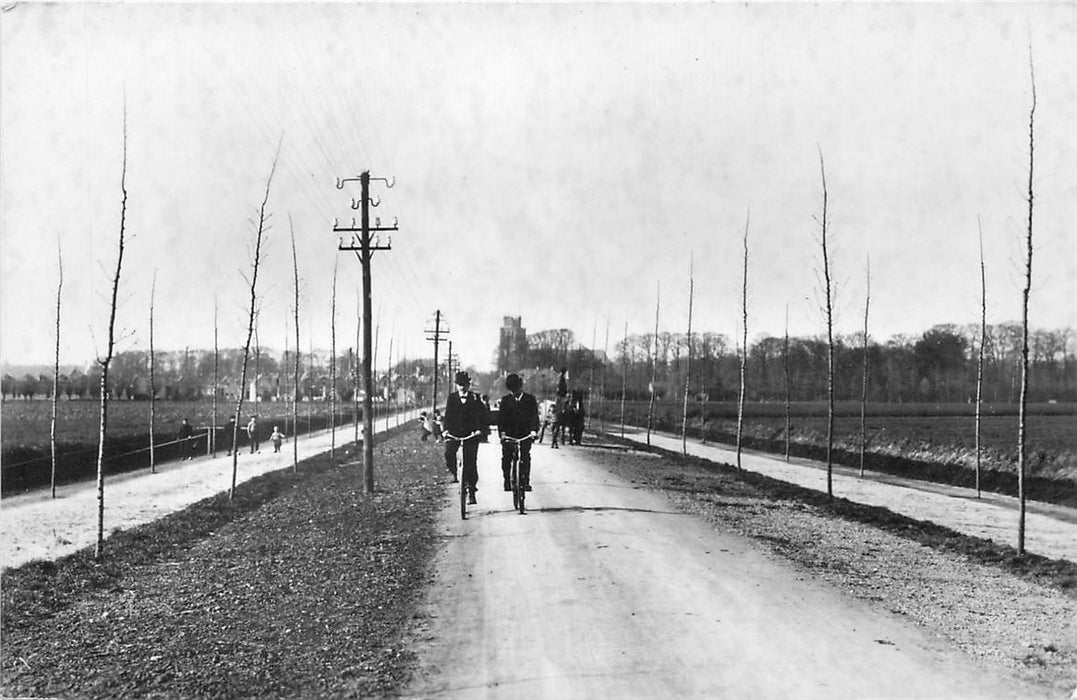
pixel 36 526
pixel 1050 530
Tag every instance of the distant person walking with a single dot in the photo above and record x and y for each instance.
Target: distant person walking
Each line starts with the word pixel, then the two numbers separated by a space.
pixel 252 433
pixel 230 435
pixel 276 438
pixel 186 444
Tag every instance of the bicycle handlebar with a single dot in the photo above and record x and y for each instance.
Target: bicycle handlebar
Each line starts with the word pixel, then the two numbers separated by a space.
pixel 508 438
pixel 450 436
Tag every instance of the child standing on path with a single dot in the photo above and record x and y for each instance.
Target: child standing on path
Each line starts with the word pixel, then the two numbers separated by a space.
pixel 277 437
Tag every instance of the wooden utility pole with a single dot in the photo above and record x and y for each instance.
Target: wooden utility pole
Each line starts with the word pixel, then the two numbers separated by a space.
pixel 333 369
pixel 364 248
pixel 438 332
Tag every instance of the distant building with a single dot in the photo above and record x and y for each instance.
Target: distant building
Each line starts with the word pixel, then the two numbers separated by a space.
pixel 512 347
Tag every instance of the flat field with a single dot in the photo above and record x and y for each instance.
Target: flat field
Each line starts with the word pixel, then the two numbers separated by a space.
pixel 937 434
pixel 25 425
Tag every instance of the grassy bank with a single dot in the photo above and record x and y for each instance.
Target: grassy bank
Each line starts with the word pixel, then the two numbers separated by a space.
pixel 300 587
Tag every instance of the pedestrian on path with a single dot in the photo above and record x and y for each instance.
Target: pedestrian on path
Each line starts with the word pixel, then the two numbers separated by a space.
pixel 186 444
pixel 230 435
pixel 277 437
pixel 252 434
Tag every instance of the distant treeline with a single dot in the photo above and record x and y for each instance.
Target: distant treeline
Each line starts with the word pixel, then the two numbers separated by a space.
pixel 937 366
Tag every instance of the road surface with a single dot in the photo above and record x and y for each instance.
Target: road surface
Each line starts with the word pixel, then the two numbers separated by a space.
pixel 603 590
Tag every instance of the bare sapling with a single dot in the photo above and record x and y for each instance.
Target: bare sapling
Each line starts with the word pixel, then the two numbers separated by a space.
pixel 1022 456
pixel 688 368
pixel 153 384
pixel 295 310
pixel 829 308
pixel 56 371
pixel 591 374
pixel 624 379
pixel 864 382
pixel 389 383
pixel 252 316
pixel 654 364
pixel 785 373
pixel 744 343
pixel 602 384
pixel 216 385
pixel 106 360
pixel 980 359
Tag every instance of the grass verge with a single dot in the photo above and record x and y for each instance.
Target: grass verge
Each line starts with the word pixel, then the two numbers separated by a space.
pixel 301 586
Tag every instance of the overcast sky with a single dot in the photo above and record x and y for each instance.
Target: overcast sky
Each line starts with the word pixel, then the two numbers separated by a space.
pixel 552 161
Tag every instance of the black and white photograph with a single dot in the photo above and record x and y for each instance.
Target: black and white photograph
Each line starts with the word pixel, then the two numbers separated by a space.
pixel 538 350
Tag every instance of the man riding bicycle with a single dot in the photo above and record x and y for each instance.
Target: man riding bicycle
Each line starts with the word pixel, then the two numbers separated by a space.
pixel 517 417
pixel 465 417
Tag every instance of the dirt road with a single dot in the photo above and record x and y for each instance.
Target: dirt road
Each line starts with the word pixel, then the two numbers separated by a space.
pixel 1051 530
pixel 604 591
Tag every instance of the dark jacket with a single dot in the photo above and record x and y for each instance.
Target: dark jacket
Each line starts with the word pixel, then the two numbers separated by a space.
pixel 517 417
pixel 465 417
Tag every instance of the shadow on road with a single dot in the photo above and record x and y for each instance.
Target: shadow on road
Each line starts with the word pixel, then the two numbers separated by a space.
pixel 599 509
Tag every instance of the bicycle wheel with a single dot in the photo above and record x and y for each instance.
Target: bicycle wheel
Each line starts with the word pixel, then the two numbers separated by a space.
pixel 463 500
pixel 519 481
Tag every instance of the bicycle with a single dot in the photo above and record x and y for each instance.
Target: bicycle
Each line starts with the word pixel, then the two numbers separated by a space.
pixel 463 482
pixel 519 493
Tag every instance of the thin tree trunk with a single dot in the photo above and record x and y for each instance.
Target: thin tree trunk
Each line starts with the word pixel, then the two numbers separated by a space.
pixel 980 359
pixel 624 380
pixel 333 367
pixel 688 370
pixel 829 342
pixel 295 396
pixel 654 364
pixel 251 318
pixel 153 384
pixel 602 384
pixel 591 376
pixel 56 371
pixel 1022 457
pixel 216 380
pixel 785 369
pixel 107 359
pixel 864 383
pixel 389 383
pixel 744 344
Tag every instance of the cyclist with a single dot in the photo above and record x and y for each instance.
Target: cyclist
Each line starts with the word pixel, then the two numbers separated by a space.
pixel 465 415
pixel 517 417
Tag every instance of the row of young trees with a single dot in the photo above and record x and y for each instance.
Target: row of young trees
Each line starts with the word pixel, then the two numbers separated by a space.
pixel 189 376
